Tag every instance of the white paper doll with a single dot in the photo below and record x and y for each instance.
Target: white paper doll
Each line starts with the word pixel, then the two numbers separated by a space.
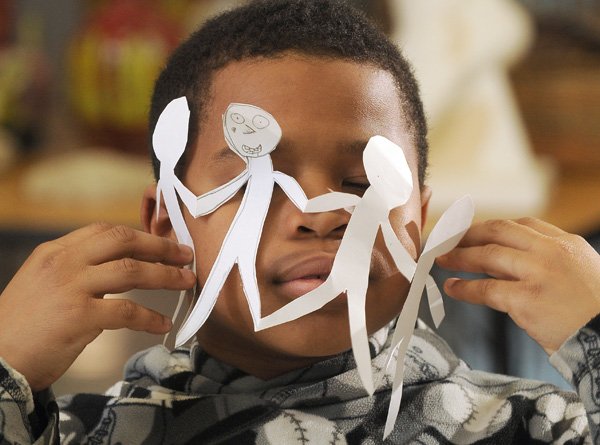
pixel 391 186
pixel 444 237
pixel 253 134
pixel 169 141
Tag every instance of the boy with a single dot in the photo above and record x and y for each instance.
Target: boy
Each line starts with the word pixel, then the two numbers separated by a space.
pixel 332 81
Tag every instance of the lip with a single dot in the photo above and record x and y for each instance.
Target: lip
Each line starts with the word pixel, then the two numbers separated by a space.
pixel 297 275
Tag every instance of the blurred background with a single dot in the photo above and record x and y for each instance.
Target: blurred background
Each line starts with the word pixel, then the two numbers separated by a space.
pixel 511 89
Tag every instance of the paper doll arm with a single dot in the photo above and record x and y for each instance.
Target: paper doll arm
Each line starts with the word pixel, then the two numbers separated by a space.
pixel 332 201
pixel 186 195
pixel 211 201
pixel 291 188
pixel 404 262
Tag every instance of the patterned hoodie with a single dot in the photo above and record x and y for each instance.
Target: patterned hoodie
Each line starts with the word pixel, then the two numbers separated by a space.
pixel 186 396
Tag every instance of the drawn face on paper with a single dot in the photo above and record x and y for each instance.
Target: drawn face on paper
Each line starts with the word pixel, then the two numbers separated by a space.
pixel 250 131
pixel 387 171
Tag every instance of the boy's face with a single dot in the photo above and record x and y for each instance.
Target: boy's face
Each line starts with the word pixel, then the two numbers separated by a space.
pixel 327 110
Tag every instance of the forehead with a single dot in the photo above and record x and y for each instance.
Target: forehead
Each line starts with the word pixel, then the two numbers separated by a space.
pixel 243 109
pixel 312 99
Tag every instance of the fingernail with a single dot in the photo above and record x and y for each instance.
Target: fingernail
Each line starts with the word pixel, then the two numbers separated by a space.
pixel 188 273
pixel 188 252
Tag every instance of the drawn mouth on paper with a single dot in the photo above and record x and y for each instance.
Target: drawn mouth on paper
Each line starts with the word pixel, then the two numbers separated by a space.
pixel 252 150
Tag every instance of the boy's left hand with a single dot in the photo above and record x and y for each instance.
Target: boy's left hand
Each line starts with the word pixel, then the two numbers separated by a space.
pixel 546 279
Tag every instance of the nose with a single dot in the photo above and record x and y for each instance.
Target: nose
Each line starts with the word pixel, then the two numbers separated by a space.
pixel 325 225
pixel 249 130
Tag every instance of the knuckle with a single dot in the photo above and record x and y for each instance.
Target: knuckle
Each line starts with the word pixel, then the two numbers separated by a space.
pixel 167 246
pixel 527 220
pixel 567 244
pixel 50 256
pixel 497 226
pixel 490 250
pixel 100 227
pixel 487 288
pixel 128 265
pixel 128 310
pixel 121 234
pixel 533 289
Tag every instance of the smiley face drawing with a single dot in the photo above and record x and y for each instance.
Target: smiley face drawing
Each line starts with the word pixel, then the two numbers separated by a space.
pixel 250 131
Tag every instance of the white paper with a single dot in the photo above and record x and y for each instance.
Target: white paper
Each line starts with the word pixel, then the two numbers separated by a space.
pixel 444 237
pixel 168 142
pixel 391 186
pixel 252 134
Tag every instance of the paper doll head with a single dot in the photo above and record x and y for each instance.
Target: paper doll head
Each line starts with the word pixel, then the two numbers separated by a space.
pixel 388 171
pixel 171 132
pixel 250 131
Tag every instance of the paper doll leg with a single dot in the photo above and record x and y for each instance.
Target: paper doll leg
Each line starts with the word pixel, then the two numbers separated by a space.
pixel 176 217
pixel 436 303
pixel 360 338
pixel 302 305
pixel 402 334
pixel 206 300
pixel 397 386
pixel 178 316
pixel 247 270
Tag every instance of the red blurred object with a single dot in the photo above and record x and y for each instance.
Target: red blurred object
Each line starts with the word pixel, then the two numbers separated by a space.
pixel 113 62
pixel 7 11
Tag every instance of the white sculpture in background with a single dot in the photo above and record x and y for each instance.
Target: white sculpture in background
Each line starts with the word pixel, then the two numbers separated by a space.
pixel 476 124
pixel 253 134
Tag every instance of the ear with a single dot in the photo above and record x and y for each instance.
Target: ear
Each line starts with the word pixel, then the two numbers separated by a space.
pixel 161 225
pixel 425 198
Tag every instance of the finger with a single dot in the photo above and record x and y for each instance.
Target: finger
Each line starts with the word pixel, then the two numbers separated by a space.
pixel 540 226
pixel 83 233
pixel 125 242
pixel 73 238
pixel 126 274
pixel 502 232
pixel 122 313
pixel 490 292
pixel 491 259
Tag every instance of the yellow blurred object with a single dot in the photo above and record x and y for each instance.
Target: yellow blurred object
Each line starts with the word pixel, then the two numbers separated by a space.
pixel 113 62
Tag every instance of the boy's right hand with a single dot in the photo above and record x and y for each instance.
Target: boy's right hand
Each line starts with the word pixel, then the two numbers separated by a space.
pixel 54 305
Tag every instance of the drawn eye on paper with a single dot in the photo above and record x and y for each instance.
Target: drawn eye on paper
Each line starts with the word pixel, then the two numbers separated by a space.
pixel 250 131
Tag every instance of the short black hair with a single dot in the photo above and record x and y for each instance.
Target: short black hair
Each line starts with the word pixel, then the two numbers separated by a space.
pixel 269 28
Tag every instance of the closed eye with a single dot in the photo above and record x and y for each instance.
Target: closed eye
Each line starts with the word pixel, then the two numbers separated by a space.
pixel 356 185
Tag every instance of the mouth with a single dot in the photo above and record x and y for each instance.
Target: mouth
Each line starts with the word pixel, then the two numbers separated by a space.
pixel 252 150
pixel 300 277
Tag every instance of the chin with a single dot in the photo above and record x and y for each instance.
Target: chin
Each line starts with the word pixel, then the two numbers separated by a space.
pixel 315 335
